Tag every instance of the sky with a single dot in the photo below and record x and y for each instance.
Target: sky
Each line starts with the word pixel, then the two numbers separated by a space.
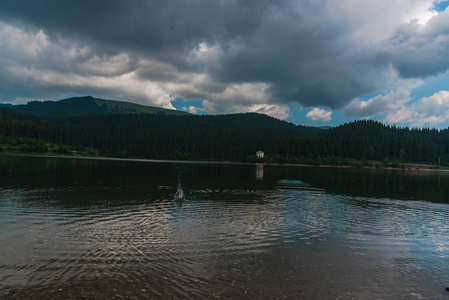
pixel 312 62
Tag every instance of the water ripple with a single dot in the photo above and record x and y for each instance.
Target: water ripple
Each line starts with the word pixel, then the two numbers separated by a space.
pixel 232 242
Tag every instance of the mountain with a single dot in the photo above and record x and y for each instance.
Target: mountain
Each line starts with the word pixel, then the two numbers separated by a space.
pixel 222 137
pixel 78 106
pixel 235 137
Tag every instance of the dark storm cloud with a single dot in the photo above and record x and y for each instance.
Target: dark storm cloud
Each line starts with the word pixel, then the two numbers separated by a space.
pixel 293 46
pixel 152 28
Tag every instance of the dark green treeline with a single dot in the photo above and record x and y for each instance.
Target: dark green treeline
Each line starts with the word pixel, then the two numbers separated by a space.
pixel 223 137
pixel 373 140
pixel 228 137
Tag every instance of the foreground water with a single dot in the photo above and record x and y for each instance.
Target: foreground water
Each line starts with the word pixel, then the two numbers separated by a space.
pixel 72 228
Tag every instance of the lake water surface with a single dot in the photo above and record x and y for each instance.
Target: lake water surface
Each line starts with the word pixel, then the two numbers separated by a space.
pixel 98 229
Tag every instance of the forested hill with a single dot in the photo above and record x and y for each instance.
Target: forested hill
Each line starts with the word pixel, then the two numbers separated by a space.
pixel 373 140
pixel 228 137
pixel 88 106
pixel 222 137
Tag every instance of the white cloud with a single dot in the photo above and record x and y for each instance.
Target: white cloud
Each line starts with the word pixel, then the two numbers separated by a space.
pixel 21 43
pixel 247 97
pixel 385 103
pixel 426 112
pixel 169 106
pixel 371 22
pixel 399 107
pixel 280 112
pixel 319 114
pixel 277 111
pixel 203 53
pixel 194 110
pixel 246 92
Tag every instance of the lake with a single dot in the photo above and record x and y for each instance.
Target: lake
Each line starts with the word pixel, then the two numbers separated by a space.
pixel 98 229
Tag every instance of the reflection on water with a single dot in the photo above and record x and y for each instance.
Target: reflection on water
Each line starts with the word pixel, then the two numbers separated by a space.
pixel 259 171
pixel 99 229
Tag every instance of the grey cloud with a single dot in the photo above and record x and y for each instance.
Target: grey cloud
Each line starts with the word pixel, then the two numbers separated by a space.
pixel 159 72
pixel 381 104
pixel 153 28
pixel 295 47
pixel 421 50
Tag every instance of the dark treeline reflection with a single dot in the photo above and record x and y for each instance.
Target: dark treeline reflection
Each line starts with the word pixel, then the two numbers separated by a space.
pixel 43 172
pixel 392 184
pixel 120 182
pixel 114 182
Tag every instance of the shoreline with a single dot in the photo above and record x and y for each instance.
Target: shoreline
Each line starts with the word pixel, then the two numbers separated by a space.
pixel 411 167
pixel 127 159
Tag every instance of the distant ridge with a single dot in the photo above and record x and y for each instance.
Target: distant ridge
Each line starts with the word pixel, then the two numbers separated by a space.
pixel 87 105
pixel 115 106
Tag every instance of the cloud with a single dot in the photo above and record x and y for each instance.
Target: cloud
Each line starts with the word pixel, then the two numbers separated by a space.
pixel 236 55
pixel 23 43
pixel 194 110
pixel 19 101
pixel 427 111
pixel 419 50
pixel 319 114
pixel 392 99
pixel 277 111
pixel 397 106
pixel 381 104
pixel 127 84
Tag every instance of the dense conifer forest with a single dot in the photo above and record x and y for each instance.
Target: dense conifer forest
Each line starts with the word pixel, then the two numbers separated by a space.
pixel 223 137
pixel 233 137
